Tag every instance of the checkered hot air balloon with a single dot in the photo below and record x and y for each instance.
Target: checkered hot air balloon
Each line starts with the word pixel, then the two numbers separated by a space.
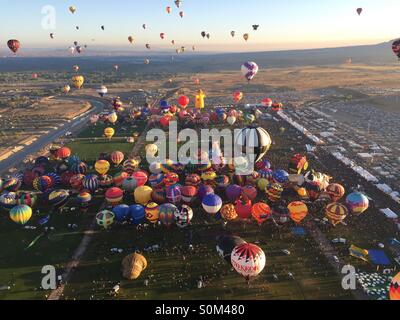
pixel 184 217
pixel 249 70
pixel 248 260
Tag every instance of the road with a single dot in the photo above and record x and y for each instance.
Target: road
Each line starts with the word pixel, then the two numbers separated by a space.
pixel 72 126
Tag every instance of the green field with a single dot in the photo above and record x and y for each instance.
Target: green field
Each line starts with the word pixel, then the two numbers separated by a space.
pixel 173 271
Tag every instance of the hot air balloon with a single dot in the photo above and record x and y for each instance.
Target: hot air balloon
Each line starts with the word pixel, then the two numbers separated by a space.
pixel 142 195
pixel 396 48
pixel 131 39
pixel 357 202
pixel 183 101
pixel 78 81
pixel 169 10
pixel 102 167
pixel 109 133
pixel 72 9
pixel 105 218
pixel 133 266
pixel 335 191
pixel 167 213
pixel 237 96
pixel 137 214
pixel 130 165
pixel 261 212
pixel 212 204
pixel 58 198
pixel 146 61
pixel 208 36
pixel 91 183
pixel 148 46
pixel 249 70
pixel 254 139
pixel 27 198
pixel 152 212
pixel 144 26
pixel 233 192
pixel 228 212
pixel 181 14
pixel 178 3
pixel 246 36
pixel 21 214
pixel 151 150
pixel 13 45
pixel 52 35
pixel 121 213
pixel 114 196
pixel 103 28
pixel 394 290
pixel 359 11
pixel 255 27
pixel 298 211
pixel 66 89
pixel 314 189
pixel 336 213
pixel 248 260
pixel 162 36
pixel 233 34
pixel 102 91
pixel 267 102
pixel 184 217
pixel 83 199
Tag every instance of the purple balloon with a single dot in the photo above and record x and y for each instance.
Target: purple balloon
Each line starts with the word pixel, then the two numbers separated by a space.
pixel 204 190
pixel 233 192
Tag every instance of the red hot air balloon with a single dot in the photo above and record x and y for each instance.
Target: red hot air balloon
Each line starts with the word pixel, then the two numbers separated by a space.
pixel 396 48
pixel 14 45
pixel 183 101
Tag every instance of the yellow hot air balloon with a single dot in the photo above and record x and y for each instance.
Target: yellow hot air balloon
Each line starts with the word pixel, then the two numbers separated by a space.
pixel 133 265
pixel 109 133
pixel 200 96
pixel 298 211
pixel 102 167
pixel 151 150
pixel 113 117
pixel 143 195
pixel 72 9
pixel 78 81
pixel 336 213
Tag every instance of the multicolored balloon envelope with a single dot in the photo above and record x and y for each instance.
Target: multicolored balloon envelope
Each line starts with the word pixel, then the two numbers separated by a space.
pixel 21 214
pixel 248 260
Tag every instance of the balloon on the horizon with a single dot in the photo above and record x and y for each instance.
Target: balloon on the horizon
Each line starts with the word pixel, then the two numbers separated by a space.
pixel 246 36
pixel 14 45
pixel 52 35
pixel 148 46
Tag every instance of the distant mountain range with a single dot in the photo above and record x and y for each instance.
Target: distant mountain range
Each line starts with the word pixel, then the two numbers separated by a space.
pixel 195 62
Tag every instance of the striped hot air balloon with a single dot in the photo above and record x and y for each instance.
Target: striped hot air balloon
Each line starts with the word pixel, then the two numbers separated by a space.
pixel 212 203
pixel 91 183
pixel 130 166
pixel 248 260
pixel 335 191
pixel 79 168
pixel 140 177
pixel 114 196
pixel 156 180
pixel 336 213
pixel 188 193
pixel 174 194
pixel 76 182
pixel 119 178
pixel 117 157
pixel 261 212
pixel 357 202
pixel 58 198
pixel 254 142
pixel 27 198
pixel 298 211
pixel 8 200
pixel 249 70
pixel 167 213
pixel 42 183
pixel 83 199
pixel 105 181
pixel 21 214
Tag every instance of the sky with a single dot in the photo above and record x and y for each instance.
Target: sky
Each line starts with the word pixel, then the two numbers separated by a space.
pixel 284 24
